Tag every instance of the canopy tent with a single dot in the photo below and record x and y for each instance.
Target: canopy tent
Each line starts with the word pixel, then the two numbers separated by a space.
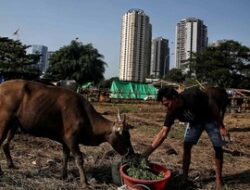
pixel 86 85
pixel 132 90
pixel 163 83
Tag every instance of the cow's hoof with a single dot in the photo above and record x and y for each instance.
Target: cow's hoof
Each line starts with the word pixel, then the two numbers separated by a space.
pixel 85 187
pixel 219 186
pixel 12 166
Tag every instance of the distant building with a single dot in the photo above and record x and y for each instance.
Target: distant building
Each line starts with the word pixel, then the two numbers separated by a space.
pixel 1 78
pixel 217 43
pixel 49 54
pixel 136 34
pixel 42 51
pixel 191 36
pixel 159 58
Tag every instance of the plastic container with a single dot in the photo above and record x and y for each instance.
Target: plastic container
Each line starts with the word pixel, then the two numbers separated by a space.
pixel 116 176
pixel 140 184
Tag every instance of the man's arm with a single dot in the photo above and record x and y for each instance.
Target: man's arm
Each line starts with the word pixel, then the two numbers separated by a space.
pixel 157 141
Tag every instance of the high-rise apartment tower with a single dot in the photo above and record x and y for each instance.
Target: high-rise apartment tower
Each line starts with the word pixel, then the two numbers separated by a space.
pixel 42 51
pixel 191 36
pixel 136 34
pixel 159 58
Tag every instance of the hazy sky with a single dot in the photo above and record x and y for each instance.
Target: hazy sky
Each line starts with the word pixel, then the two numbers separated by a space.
pixel 54 23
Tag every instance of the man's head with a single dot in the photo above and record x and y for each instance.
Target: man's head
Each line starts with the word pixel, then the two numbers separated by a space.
pixel 168 97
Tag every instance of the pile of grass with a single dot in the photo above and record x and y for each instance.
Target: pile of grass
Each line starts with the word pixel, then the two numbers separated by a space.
pixel 139 168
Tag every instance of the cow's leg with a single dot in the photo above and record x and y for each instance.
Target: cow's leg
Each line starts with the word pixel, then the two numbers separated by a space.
pixel 79 163
pixel 66 154
pixel 6 148
pixel 3 130
pixel 74 148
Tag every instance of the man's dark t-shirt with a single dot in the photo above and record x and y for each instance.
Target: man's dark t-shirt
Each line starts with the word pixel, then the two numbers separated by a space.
pixel 195 108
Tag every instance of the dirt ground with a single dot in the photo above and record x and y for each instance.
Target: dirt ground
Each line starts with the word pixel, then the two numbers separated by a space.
pixel 39 160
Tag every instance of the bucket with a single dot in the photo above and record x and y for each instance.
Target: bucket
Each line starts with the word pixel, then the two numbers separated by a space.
pixel 140 184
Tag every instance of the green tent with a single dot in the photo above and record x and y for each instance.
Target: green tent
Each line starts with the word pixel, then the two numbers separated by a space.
pixel 86 85
pixel 132 90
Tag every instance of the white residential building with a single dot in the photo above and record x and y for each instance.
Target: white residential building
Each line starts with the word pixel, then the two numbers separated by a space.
pixel 191 36
pixel 136 34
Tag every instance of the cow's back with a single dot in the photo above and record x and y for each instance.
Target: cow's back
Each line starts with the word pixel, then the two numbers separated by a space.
pixel 219 95
pixel 11 94
pixel 51 111
pixel 40 109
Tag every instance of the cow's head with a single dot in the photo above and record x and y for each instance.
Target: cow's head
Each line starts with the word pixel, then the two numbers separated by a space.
pixel 120 137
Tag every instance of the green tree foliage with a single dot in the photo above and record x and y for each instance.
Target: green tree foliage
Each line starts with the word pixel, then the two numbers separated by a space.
pixel 14 62
pixel 175 75
pixel 107 83
pixel 79 62
pixel 224 65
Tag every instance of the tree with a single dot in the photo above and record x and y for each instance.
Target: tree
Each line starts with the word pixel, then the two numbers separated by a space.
pixel 107 83
pixel 224 65
pixel 79 62
pixel 175 75
pixel 15 63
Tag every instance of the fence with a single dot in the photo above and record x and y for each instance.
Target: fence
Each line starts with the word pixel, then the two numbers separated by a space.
pixel 239 104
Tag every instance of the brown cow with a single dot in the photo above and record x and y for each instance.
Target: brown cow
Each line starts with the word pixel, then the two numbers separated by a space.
pixel 220 97
pixel 58 114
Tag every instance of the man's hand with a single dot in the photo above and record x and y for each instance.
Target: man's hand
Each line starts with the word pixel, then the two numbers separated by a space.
pixel 148 151
pixel 223 132
pixel 225 135
pixel 157 141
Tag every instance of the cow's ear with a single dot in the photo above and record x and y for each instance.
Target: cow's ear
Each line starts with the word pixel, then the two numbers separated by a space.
pixel 128 126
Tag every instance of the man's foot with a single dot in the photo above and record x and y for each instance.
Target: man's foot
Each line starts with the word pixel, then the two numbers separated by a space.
pixel 1 172
pixel 63 176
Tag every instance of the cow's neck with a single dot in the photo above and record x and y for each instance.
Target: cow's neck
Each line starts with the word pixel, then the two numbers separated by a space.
pixel 101 125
